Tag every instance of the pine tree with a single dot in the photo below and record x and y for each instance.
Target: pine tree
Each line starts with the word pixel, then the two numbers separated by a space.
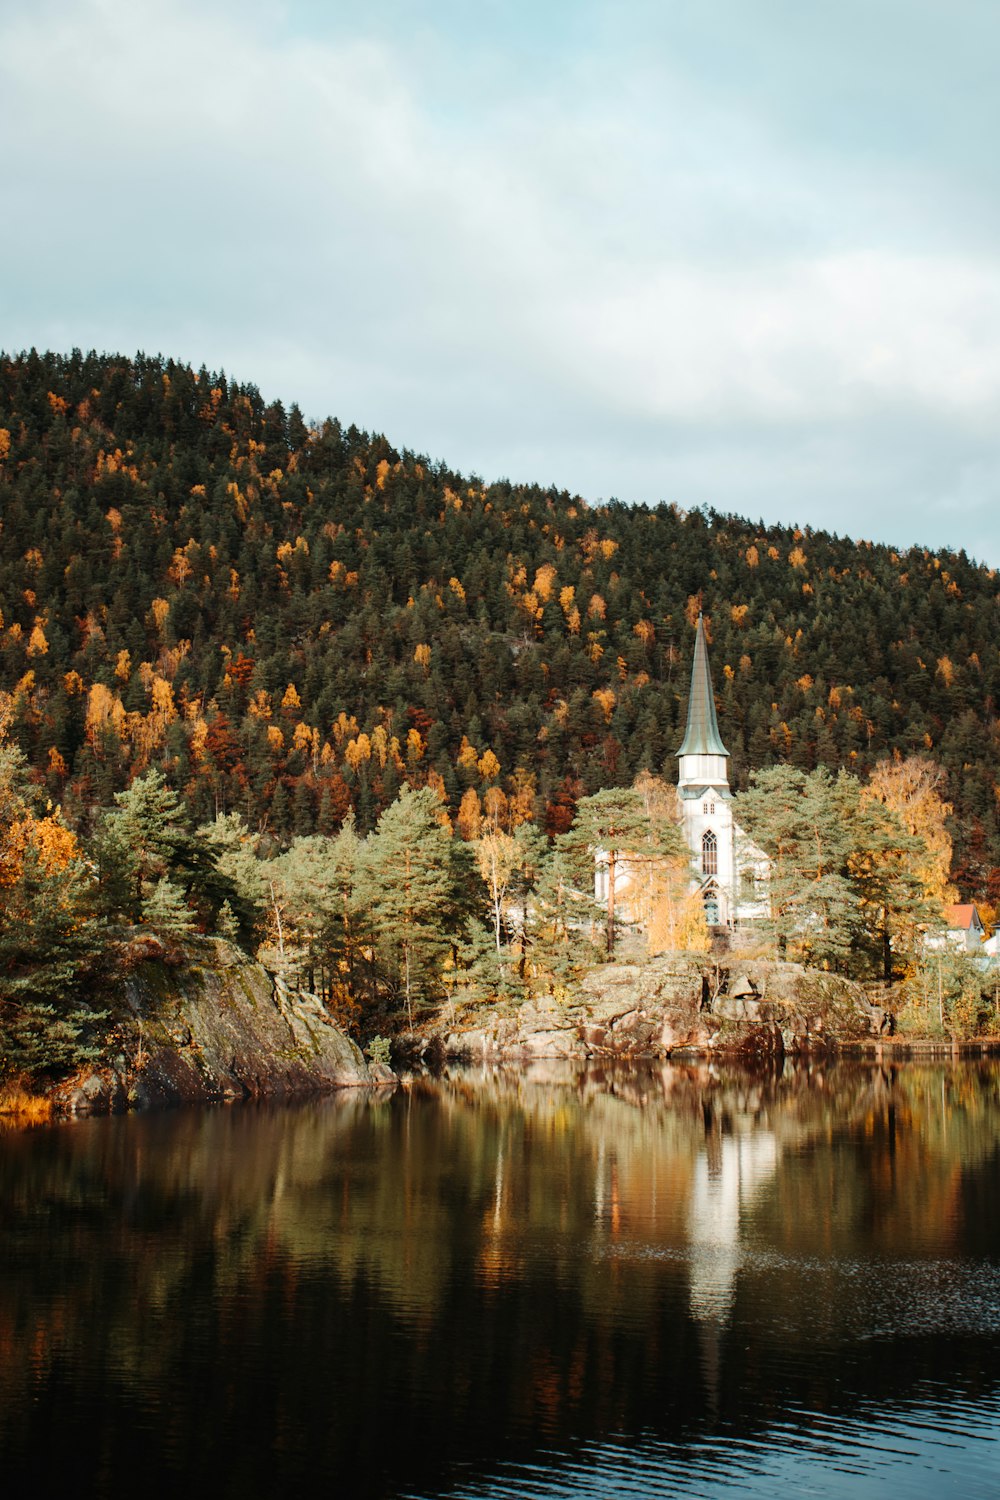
pixel 803 823
pixel 411 889
pixel 558 958
pixel 321 889
pixel 50 947
pixel 239 876
pixel 895 911
pixel 533 854
pixel 165 910
pixel 226 924
pixel 482 964
pixel 144 840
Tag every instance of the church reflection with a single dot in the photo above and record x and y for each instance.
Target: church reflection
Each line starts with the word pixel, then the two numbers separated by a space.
pixel 491 1258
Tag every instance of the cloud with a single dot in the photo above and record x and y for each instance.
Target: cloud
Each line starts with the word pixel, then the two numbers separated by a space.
pixel 630 264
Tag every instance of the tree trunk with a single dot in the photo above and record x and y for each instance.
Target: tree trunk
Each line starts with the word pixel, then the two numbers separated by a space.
pixel 611 901
pixel 277 918
pixel 409 1006
pixel 886 949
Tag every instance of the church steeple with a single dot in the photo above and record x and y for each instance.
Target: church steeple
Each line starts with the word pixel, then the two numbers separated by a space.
pixel 702 735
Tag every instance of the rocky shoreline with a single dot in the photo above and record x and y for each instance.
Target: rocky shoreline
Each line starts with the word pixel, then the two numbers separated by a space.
pixel 675 1006
pixel 213 1028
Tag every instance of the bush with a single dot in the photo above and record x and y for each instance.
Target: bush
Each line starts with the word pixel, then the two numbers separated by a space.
pixel 379 1050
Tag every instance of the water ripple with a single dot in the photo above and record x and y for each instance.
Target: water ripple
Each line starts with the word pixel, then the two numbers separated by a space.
pixel 920 1452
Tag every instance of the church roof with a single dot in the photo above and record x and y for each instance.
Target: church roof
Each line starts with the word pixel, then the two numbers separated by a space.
pixel 702 734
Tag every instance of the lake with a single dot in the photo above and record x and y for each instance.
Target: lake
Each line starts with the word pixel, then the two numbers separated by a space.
pixel 686 1281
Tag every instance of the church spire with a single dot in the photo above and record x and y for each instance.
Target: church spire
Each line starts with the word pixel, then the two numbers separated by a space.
pixel 702 734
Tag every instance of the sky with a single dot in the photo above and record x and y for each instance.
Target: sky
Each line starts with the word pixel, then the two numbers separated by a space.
pixel 731 253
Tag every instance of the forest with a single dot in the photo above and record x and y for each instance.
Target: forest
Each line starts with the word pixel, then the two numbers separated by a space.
pixel 288 626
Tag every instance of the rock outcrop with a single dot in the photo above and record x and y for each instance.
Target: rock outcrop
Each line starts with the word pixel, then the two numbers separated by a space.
pixel 671 1006
pixel 216 1027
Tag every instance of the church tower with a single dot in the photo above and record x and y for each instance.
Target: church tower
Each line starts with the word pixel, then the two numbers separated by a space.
pixel 729 872
pixel 703 787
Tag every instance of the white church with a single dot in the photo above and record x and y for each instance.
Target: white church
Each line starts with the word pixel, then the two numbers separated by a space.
pixel 727 869
pixel 731 871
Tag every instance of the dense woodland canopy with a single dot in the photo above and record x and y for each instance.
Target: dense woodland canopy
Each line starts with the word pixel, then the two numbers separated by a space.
pixel 292 621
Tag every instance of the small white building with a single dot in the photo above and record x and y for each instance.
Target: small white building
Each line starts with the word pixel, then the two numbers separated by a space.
pixel 964 930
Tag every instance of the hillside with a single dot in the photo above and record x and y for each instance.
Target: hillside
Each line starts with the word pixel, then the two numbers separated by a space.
pixel 292 620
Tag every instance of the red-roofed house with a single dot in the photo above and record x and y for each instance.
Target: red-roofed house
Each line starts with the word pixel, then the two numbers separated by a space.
pixel 964 929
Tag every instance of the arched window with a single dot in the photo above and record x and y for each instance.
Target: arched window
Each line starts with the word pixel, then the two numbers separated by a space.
pixel 711 900
pixel 601 880
pixel 709 854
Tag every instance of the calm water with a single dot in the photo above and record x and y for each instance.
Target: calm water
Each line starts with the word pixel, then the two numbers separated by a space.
pixel 671 1283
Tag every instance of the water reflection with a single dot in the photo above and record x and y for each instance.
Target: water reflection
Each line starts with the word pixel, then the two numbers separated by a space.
pixel 549 1283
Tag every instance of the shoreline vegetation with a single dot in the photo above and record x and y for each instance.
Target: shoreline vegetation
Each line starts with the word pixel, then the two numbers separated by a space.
pixel 483 910
pixel 425 917
pixel 22 1106
pixel 206 1024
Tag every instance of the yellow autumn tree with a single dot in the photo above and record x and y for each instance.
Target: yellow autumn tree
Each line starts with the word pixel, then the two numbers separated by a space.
pixel 380 745
pixel 358 752
pixel 605 699
pixel 414 746
pixel 489 766
pixel 105 713
pixel 344 728
pixel 521 802
pixel 54 845
pixel 665 903
pixel 545 580
pixel 497 858
pixel 912 788
pixel 468 755
pixel 37 643
pixel 677 920
pixel 470 815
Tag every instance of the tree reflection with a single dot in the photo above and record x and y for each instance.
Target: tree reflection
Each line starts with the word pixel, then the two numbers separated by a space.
pixel 379 1289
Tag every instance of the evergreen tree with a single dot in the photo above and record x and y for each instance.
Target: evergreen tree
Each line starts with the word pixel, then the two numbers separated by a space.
pixel 226 924
pixel 144 841
pixel 50 947
pixel 895 911
pixel 165 910
pixel 411 888
pixel 234 852
pixel 803 823
pixel 558 958
pixel 326 923
pixel 148 835
pixel 532 857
